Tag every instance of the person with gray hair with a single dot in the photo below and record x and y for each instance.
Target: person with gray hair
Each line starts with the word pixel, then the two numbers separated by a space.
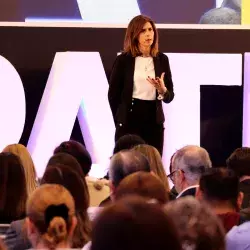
pixel 228 13
pixel 125 163
pixel 188 164
pixel 198 227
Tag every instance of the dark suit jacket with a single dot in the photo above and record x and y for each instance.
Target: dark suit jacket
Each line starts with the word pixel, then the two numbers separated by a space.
pixel 121 86
pixel 16 238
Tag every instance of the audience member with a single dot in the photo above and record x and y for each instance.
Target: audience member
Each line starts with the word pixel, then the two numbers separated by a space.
pixel 239 162
pixel 12 188
pixel 27 162
pixel 132 224
pixel 125 163
pixel 155 162
pixel 188 164
pixel 143 184
pixel 198 227
pixel 51 219
pixel 219 188
pixel 70 179
pixel 77 150
pixel 97 189
pixel 127 142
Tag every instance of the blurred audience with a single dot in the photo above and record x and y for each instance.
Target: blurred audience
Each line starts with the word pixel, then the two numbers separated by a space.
pixel 70 179
pixel 132 224
pixel 98 189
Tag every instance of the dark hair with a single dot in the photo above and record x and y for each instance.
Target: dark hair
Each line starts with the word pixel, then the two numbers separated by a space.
pixel 77 150
pixel 239 161
pixel 126 162
pixel 127 141
pixel 220 184
pixel 65 176
pixel 12 188
pixel 133 31
pixel 66 160
pixel 143 184
pixel 132 224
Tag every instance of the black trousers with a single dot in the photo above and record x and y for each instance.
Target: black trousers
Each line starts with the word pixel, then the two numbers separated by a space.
pixel 142 122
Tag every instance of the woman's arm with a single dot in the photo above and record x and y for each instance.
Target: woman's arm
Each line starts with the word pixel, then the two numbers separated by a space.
pixel 169 95
pixel 116 83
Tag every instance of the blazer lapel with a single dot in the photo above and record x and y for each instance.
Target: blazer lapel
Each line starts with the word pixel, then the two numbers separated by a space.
pixel 130 68
pixel 157 66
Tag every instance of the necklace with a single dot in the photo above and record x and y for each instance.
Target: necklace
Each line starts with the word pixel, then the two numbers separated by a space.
pixel 149 61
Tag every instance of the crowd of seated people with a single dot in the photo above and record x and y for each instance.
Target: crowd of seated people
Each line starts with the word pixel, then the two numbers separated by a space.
pixel 135 206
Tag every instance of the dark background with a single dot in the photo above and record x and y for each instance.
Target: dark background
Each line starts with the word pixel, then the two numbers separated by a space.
pixel 32 49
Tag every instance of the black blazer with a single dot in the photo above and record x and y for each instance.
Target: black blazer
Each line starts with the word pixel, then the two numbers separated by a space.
pixel 121 86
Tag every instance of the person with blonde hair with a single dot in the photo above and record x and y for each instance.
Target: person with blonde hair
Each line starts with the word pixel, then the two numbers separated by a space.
pixel 28 165
pixel 155 162
pixel 51 217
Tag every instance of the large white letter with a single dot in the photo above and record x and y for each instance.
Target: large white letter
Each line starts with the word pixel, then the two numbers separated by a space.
pixel 77 84
pixel 12 104
pixel 190 71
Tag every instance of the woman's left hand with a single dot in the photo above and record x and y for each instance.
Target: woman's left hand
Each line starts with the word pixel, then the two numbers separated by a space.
pixel 158 83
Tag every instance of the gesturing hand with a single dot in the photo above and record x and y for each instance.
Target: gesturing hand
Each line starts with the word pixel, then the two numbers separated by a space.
pixel 158 83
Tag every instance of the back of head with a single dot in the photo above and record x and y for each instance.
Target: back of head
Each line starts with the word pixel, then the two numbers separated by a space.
pixel 239 161
pixel 78 151
pixel 65 176
pixel 127 142
pixel 134 224
pixel 27 163
pixel 51 210
pixel 143 184
pixel 192 160
pixel 12 188
pixel 66 160
pixel 155 162
pixel 125 163
pixel 221 15
pixel 220 185
pixel 198 226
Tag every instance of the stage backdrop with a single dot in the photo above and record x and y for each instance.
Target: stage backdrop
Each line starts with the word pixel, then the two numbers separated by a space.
pixel 32 49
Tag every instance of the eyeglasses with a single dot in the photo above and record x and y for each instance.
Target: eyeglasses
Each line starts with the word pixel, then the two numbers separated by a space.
pixel 171 175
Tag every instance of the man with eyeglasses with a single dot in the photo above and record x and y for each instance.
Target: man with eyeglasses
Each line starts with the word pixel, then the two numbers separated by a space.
pixel 187 166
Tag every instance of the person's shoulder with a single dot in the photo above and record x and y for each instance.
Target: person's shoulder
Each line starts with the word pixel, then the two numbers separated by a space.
pixel 162 56
pixel 124 55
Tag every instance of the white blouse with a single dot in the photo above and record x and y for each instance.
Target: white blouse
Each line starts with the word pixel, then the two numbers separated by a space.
pixel 144 67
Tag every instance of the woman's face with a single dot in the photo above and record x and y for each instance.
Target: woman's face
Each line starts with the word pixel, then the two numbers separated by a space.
pixel 146 37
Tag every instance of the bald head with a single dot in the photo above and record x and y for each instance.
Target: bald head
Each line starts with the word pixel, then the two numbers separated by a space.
pixel 125 163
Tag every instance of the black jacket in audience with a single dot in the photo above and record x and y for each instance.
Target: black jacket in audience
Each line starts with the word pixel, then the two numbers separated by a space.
pixel 16 238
